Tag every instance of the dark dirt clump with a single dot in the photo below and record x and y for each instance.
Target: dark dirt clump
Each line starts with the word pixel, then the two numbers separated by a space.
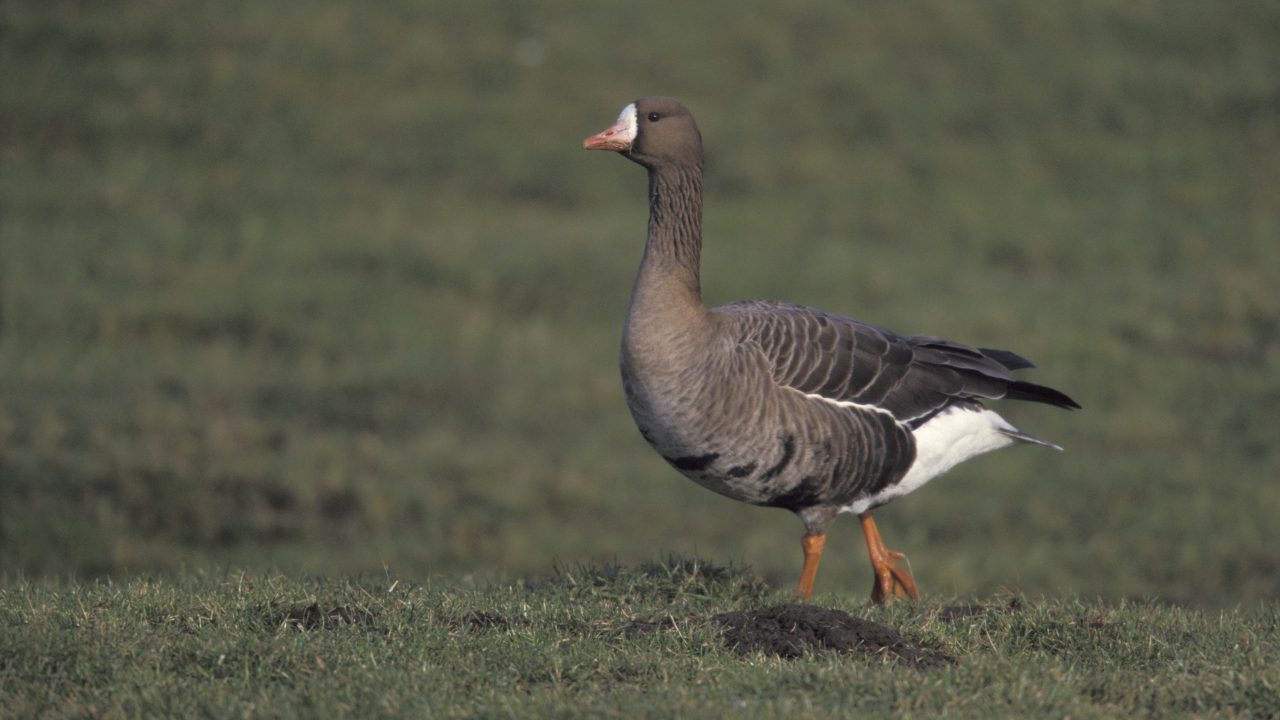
pixel 481 621
pixel 312 617
pixel 790 631
pixel 485 620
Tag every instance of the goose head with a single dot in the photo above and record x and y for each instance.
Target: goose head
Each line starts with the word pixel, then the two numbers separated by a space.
pixel 652 131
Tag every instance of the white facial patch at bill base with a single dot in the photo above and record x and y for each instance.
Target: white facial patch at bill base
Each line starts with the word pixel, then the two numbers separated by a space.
pixel 625 127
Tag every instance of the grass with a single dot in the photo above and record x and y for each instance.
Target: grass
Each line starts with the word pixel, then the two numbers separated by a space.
pixel 599 641
pixel 333 292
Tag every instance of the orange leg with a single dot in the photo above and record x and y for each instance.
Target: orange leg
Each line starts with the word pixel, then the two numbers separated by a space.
pixel 891 581
pixel 812 545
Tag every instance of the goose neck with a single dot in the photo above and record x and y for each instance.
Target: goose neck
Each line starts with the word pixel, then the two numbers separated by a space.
pixel 674 247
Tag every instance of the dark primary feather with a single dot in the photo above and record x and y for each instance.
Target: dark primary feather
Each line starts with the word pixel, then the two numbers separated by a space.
pixel 841 359
pixel 1010 360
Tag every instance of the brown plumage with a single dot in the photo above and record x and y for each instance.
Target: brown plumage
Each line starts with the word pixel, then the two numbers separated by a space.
pixel 783 405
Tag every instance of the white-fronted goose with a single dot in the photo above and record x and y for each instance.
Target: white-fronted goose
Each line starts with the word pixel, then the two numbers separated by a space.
pixel 783 405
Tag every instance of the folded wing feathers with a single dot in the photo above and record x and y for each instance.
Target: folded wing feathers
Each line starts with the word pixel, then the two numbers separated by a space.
pixel 1011 360
pixel 1021 390
pixel 845 360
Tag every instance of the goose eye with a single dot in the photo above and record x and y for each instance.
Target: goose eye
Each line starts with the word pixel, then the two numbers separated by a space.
pixel 654 117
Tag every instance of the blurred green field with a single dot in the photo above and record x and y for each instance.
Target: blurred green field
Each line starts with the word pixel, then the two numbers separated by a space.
pixel 327 288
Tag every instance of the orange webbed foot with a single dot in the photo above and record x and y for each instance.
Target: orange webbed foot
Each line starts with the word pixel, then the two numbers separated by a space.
pixel 891 581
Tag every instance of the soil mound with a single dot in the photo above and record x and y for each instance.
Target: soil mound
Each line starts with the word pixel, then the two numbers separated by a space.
pixel 790 631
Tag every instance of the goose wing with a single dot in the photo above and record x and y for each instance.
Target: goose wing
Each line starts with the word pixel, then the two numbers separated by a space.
pixel 846 361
